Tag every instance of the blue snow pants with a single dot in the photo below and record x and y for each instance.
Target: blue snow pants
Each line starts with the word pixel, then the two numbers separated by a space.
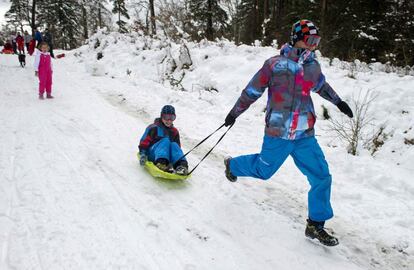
pixel 164 148
pixel 308 157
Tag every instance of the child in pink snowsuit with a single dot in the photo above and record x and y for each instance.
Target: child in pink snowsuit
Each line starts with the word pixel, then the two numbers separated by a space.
pixel 43 70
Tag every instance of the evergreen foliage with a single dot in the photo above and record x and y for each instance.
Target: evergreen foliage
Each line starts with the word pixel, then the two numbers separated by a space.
pixel 69 21
pixel 368 30
pixel 209 18
pixel 120 9
pixel 18 13
pixel 62 18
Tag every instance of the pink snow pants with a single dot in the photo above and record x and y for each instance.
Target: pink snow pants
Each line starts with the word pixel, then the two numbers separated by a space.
pixel 45 74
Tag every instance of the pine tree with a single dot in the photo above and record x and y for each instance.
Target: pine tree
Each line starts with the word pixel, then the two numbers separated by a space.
pixel 120 9
pixel 94 16
pixel 259 20
pixel 354 34
pixel 64 20
pixel 98 15
pixel 398 31
pixel 18 14
pixel 246 19
pixel 278 17
pixel 209 16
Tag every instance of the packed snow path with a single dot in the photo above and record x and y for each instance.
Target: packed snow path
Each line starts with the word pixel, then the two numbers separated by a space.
pixel 72 195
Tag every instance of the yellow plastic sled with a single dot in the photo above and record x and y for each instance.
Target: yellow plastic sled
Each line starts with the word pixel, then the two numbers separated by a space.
pixel 155 172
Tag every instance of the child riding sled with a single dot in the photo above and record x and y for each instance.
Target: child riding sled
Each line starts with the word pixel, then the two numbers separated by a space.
pixel 160 144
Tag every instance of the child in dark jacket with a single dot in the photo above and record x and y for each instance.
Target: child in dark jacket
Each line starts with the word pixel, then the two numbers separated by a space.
pixel 160 144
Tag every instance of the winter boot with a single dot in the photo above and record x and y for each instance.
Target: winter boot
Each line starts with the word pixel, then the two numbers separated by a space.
pixel 228 173
pixel 314 229
pixel 49 96
pixel 41 96
pixel 182 168
pixel 162 164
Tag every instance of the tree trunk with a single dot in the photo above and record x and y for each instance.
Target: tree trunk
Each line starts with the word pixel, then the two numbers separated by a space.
pixel 99 16
pixel 237 29
pixel 266 9
pixel 147 23
pixel 266 16
pixel 152 11
pixel 119 19
pixel 33 21
pixel 209 30
pixel 85 22
pixel 324 10
pixel 322 27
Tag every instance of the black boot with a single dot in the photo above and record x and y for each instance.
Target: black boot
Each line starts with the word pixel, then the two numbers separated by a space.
pixel 314 229
pixel 228 173
pixel 181 167
pixel 162 164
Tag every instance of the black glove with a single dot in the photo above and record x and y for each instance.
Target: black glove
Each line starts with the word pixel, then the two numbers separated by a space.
pixel 230 120
pixel 343 107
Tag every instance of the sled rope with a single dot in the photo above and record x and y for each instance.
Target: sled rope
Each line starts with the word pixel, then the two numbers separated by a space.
pixel 202 141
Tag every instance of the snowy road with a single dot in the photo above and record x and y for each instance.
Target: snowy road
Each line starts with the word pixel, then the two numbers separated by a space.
pixel 72 195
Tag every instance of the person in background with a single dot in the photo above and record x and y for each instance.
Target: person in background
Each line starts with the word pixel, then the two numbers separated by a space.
pixel 13 42
pixel 20 43
pixel 27 39
pixel 8 48
pixel 38 37
pixel 47 37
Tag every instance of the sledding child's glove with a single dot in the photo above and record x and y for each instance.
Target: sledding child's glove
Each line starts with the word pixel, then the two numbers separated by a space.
pixel 343 107
pixel 230 120
pixel 142 159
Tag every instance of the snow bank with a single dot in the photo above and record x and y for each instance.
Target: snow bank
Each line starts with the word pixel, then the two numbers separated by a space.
pixel 372 195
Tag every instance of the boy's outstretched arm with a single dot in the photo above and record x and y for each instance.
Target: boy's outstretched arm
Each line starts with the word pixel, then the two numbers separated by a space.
pixel 323 88
pixel 253 91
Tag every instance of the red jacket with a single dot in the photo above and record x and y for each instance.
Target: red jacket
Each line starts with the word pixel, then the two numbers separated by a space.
pixel 20 40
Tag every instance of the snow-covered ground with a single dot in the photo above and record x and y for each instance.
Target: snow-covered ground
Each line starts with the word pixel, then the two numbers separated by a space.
pixel 72 195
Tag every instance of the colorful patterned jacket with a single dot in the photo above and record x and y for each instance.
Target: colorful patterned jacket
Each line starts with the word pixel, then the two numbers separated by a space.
pixel 154 133
pixel 289 77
